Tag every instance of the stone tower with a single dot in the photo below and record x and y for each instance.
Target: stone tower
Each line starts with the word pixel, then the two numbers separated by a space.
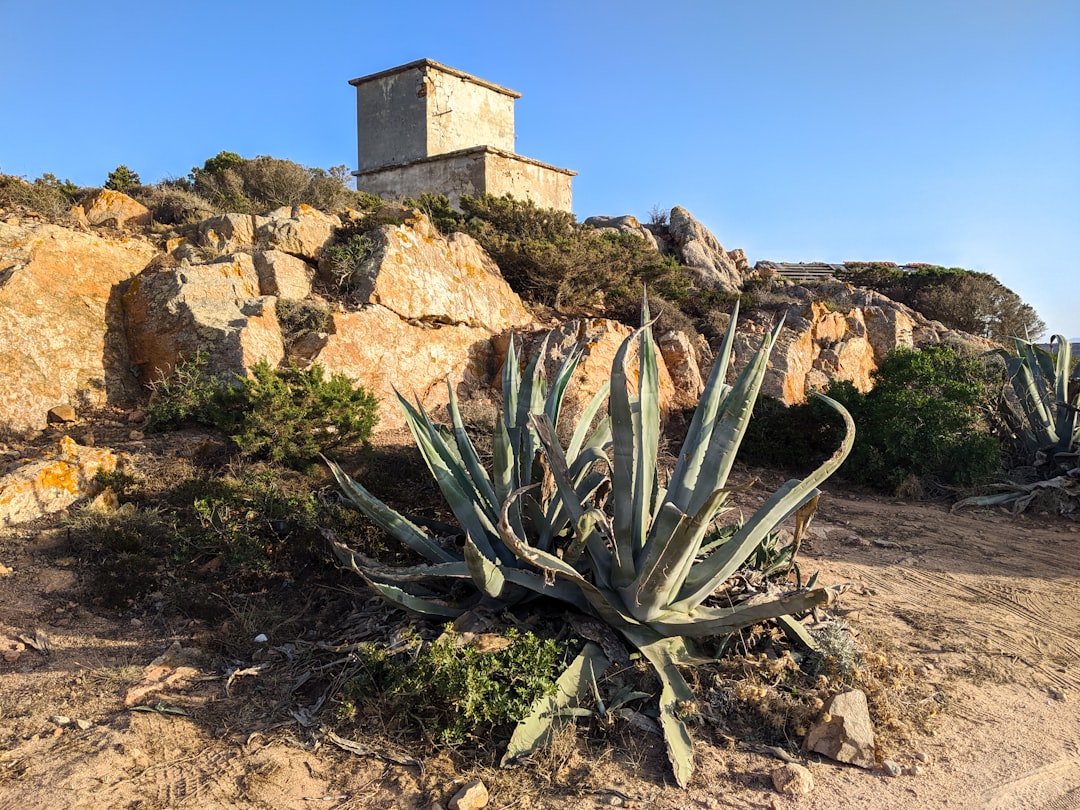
pixel 425 127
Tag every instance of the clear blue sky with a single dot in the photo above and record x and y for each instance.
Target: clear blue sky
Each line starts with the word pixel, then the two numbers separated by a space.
pixel 943 131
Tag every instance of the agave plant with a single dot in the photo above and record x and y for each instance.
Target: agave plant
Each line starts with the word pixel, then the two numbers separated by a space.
pixel 476 497
pixel 639 560
pixel 1045 422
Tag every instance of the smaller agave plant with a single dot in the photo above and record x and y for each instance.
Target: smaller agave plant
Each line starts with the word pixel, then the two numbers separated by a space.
pixel 1045 422
pixel 594 525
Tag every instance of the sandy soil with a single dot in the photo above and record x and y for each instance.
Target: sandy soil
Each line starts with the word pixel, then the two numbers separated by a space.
pixel 983 606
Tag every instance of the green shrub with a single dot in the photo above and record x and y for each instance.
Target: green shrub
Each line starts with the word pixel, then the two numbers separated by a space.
pixel 548 258
pixel 122 179
pixel 439 211
pixel 455 692
pixel 794 438
pixel 299 318
pixel 343 260
pixel 287 415
pixel 291 415
pixel 187 394
pixel 924 418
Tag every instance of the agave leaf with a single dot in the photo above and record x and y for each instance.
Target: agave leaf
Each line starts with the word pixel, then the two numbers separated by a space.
pixel 535 730
pixel 797 632
pixel 484 571
pixel 467 452
pixel 387 519
pixel 577 441
pixel 634 461
pixel 368 567
pixel 404 599
pixel 553 405
pixel 706 576
pixel 676 701
pixel 460 492
pixel 713 621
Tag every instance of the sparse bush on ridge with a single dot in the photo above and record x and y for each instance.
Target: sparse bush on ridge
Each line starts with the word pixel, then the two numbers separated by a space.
pixel 46 194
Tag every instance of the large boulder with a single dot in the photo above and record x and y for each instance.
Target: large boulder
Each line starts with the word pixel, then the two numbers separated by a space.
pixel 171 314
pixel 300 230
pixel 381 351
pixel 61 323
pixel 283 275
pixel 698 249
pixel 228 233
pixel 423 276
pixel 108 207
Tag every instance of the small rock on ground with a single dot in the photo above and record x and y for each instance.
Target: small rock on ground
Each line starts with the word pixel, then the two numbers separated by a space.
pixel 793 779
pixel 471 797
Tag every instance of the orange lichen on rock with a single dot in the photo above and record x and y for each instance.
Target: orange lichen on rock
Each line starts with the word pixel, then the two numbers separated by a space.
pixel 53 482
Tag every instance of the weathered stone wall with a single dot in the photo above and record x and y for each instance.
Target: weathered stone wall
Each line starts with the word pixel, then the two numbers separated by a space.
pixel 424 109
pixel 391 120
pixel 473 172
pixel 525 179
pixel 462 114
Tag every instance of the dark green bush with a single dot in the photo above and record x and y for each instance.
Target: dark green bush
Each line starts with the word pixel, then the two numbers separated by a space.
pixel 122 179
pixel 455 693
pixel 287 415
pixel 291 415
pixel 925 418
pixel 795 439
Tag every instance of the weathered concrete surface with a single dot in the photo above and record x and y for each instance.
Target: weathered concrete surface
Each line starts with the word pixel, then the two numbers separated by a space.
pixel 61 325
pixel 53 482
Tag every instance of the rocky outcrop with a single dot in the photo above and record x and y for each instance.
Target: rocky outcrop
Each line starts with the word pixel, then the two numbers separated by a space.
pixel 108 207
pixel 53 482
pixel 625 224
pixel 380 351
pixel 835 332
pixel 218 308
pixel 61 324
pixel 698 249
pixel 423 276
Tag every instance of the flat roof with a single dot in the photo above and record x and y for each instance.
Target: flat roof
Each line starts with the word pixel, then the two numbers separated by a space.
pixel 431 63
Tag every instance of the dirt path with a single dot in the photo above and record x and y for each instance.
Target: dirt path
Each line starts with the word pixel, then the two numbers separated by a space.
pixel 984 607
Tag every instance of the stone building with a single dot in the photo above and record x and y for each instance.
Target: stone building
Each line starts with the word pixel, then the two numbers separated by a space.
pixel 426 127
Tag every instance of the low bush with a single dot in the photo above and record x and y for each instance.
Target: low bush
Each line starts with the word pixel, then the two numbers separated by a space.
pixel 925 419
pixel 46 194
pixel 287 415
pixel 342 262
pixel 455 692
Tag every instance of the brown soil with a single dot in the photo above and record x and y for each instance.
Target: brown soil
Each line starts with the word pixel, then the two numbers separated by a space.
pixel 981 606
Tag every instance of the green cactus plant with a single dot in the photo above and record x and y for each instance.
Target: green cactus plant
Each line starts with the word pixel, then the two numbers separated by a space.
pixel 639 562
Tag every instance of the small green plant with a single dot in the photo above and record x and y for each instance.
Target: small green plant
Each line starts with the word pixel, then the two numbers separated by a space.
pixel 122 179
pixel 292 415
pixel 344 260
pixel 188 394
pixel 301 318
pixel 438 208
pixel 455 691
pixel 287 415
